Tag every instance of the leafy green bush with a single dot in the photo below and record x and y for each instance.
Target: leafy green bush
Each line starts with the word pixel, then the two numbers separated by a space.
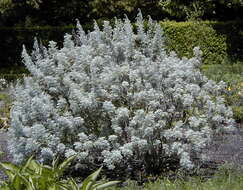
pixel 182 37
pixel 217 40
pixel 35 176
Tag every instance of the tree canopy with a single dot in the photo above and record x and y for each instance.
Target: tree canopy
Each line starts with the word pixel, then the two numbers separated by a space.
pixel 62 12
pixel 207 9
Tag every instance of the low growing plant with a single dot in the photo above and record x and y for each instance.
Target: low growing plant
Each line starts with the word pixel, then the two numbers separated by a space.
pixel 114 97
pixel 35 176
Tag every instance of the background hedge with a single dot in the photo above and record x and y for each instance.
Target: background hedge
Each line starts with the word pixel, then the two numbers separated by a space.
pixel 219 41
pixel 12 40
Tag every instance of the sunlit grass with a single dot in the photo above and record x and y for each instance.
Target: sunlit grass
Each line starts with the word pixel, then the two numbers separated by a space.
pixel 232 75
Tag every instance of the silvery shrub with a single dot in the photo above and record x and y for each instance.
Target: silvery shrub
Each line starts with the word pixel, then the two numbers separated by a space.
pixel 114 97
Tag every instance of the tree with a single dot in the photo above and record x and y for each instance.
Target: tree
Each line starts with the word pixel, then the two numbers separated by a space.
pixel 44 12
pixel 18 12
pixel 63 12
pixel 111 8
pixel 9 4
pixel 196 9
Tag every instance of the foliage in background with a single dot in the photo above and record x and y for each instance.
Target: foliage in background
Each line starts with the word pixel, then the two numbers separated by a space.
pixel 114 97
pixel 193 10
pixel 34 176
pixel 183 36
pixel 44 12
pixel 218 41
pixel 12 41
pixel 197 9
pixel 62 12
pixel 15 12
pixel 117 8
pixel 9 4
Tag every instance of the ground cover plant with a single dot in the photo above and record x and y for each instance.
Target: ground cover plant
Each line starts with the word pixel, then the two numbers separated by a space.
pixel 35 176
pixel 114 97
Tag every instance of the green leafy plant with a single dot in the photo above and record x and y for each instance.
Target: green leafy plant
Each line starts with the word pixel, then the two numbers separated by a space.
pixel 35 176
pixel 91 183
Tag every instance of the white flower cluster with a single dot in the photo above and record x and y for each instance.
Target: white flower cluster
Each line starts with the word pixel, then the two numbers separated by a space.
pixel 115 96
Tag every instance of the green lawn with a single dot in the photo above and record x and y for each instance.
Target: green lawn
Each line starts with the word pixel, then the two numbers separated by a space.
pixel 232 74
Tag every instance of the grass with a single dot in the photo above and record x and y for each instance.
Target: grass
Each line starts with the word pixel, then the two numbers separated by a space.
pixel 224 179
pixel 232 74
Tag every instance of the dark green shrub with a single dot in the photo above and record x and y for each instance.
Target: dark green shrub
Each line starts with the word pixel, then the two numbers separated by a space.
pixel 182 37
pixel 217 40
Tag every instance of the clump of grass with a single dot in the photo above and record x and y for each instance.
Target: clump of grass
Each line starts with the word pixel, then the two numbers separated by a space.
pixel 224 179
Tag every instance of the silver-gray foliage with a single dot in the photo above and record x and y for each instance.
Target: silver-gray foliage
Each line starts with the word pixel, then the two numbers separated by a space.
pixel 114 96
